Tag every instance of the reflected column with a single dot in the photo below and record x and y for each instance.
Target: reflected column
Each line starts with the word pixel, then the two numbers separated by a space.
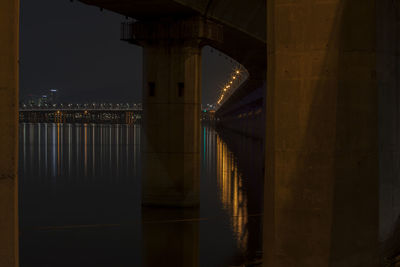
pixel 39 148
pixel 69 148
pixel 94 130
pixel 170 237
pixel 85 148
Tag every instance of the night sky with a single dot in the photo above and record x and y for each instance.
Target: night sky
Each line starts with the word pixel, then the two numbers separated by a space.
pixel 77 49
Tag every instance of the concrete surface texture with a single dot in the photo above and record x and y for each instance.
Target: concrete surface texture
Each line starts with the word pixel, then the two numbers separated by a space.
pixel 388 51
pixel 9 20
pixel 332 143
pixel 171 121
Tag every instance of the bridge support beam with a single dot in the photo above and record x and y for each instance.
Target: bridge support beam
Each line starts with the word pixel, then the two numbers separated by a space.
pixel 171 107
pixel 326 128
pixel 171 113
pixel 9 21
pixel 171 125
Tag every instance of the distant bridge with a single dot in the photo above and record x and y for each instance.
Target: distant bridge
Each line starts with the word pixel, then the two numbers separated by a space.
pixel 81 115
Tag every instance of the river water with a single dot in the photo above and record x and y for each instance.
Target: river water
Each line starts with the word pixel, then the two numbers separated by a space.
pixel 79 198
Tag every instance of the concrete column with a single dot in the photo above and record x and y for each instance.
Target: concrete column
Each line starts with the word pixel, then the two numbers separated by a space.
pixel 171 107
pixel 9 20
pixel 388 74
pixel 322 175
pixel 171 125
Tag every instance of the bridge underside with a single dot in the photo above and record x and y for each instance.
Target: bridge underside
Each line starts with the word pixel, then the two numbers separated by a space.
pixel 244 111
pixel 244 29
pixel 145 9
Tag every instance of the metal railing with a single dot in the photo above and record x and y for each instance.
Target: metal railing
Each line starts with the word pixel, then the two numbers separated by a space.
pixel 127 31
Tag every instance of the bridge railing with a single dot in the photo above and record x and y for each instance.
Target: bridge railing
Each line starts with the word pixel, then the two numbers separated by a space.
pixel 127 31
pixel 234 82
pixel 79 109
pixel 186 29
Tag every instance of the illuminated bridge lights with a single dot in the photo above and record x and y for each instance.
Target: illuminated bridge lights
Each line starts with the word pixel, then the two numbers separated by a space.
pixel 235 79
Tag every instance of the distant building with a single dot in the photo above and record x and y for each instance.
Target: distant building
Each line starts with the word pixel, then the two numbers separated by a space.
pixel 53 96
pixel 43 101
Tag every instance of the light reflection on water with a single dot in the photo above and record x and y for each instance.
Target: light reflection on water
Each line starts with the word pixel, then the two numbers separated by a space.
pixel 68 151
pixel 232 195
pixel 80 196
pixel 233 165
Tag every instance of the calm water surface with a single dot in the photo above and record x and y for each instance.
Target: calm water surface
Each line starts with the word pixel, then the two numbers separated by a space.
pixel 80 198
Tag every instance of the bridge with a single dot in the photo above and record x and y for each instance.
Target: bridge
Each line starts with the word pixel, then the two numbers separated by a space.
pixel 81 115
pixel 329 98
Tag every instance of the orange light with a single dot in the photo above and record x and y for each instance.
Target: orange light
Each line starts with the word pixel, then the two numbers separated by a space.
pixel 234 77
pixel 237 72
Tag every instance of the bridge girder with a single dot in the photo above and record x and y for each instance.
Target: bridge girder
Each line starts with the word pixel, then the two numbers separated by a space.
pixel 244 27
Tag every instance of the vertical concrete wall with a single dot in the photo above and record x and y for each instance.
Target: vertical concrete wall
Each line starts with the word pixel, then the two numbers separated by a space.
pixel 321 188
pixel 9 20
pixel 388 75
pixel 171 124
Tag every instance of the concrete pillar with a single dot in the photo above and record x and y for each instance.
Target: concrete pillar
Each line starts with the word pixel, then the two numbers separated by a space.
pixel 321 187
pixel 171 102
pixel 9 20
pixel 388 74
pixel 171 108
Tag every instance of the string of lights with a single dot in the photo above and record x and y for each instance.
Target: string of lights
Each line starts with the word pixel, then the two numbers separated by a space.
pixel 238 75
